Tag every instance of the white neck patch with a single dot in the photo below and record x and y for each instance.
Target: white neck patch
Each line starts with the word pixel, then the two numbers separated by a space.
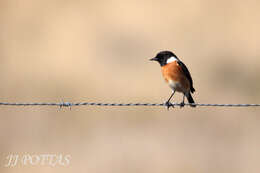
pixel 171 59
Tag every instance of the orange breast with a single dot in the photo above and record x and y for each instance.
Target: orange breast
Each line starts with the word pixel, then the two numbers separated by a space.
pixel 173 73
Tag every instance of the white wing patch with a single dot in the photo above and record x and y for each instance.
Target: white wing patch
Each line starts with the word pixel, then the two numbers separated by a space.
pixel 171 59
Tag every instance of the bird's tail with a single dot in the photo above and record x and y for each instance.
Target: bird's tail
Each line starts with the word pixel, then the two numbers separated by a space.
pixel 190 100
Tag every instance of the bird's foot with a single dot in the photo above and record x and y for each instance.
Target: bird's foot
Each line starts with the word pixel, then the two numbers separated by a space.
pixel 182 104
pixel 168 105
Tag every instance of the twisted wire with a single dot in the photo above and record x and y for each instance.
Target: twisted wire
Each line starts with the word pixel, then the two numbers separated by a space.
pixel 69 104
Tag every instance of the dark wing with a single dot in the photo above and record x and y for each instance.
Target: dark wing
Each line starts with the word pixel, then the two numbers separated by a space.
pixel 187 74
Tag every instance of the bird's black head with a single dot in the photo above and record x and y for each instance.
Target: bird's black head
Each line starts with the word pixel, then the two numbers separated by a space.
pixel 163 56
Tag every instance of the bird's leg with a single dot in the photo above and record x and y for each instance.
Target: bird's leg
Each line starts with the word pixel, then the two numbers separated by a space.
pixel 168 103
pixel 182 103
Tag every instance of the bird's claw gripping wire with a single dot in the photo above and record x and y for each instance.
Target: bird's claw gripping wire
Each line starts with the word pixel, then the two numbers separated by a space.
pixel 168 105
pixel 182 104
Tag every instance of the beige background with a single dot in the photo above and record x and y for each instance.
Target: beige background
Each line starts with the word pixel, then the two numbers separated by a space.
pixel 53 51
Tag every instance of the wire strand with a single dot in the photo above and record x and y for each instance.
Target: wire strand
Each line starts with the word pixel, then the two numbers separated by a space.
pixel 69 104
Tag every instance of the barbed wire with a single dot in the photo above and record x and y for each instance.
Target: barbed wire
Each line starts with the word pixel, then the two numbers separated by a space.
pixel 69 104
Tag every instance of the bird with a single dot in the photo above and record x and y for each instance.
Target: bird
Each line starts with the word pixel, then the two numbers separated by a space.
pixel 176 75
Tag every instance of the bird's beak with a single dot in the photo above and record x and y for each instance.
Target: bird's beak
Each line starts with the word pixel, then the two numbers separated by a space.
pixel 154 59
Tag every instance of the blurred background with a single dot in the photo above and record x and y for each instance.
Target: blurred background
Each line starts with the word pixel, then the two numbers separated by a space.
pixel 98 51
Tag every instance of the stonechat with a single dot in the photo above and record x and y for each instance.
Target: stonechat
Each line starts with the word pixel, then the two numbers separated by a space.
pixel 177 75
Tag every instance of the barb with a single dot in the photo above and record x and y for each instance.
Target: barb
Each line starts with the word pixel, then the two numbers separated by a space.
pixel 68 104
